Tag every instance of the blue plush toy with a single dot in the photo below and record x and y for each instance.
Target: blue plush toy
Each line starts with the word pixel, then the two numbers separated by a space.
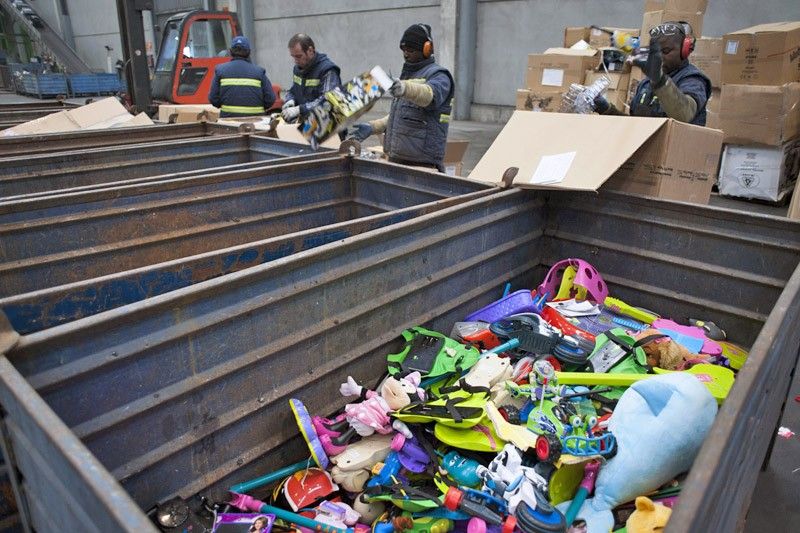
pixel 660 424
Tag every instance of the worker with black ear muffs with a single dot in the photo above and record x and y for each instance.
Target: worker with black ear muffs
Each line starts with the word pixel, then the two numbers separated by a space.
pixel 418 120
pixel 673 87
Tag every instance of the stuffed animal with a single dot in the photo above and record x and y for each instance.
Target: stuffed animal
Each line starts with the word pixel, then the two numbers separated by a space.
pixel 648 517
pixel 660 424
pixel 664 352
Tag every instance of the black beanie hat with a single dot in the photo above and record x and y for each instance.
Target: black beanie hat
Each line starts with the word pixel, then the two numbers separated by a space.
pixel 415 36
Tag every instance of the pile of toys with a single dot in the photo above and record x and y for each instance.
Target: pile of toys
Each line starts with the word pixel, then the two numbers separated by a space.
pixel 553 410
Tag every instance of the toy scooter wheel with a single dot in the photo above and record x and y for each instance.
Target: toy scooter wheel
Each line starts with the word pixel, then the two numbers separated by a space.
pixel 548 448
pixel 452 498
pixel 510 413
pixel 476 525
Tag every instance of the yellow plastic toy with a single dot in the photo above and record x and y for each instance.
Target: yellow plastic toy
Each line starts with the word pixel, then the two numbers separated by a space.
pixel 648 517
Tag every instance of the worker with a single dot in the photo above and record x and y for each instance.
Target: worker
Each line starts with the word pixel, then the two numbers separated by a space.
pixel 314 74
pixel 674 87
pixel 241 88
pixel 418 120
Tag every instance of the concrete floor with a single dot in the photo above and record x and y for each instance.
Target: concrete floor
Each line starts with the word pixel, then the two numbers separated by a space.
pixel 776 500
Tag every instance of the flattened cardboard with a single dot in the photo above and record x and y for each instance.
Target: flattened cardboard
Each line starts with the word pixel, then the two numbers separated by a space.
pixel 760 114
pixel 602 144
pixel 707 56
pixel 767 54
pixel 652 19
pixel 549 101
pixel 105 113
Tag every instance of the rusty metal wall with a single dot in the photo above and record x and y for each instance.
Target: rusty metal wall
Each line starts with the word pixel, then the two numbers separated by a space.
pixel 178 241
pixel 23 175
pixel 178 394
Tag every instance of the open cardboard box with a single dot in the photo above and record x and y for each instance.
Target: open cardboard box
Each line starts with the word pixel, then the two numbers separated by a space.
pixel 652 156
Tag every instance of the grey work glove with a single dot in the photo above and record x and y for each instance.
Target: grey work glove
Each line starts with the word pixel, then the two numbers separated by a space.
pixel 359 132
pixel 652 67
pixel 287 104
pixel 398 88
pixel 289 114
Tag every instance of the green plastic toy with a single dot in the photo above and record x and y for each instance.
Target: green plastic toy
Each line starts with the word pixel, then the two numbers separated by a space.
pixel 431 354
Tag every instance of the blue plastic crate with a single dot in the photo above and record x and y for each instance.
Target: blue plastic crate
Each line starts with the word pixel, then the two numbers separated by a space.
pixel 44 85
pixel 94 84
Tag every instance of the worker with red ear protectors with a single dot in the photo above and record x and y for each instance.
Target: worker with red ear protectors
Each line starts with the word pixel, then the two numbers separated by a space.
pixel 673 87
pixel 418 120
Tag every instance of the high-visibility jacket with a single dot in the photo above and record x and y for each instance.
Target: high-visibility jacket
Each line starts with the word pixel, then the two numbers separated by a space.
pixel 308 83
pixel 241 88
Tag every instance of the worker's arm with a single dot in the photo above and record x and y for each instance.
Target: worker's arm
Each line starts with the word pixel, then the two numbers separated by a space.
pixel 266 90
pixel 329 81
pixel 214 95
pixel 604 107
pixel 682 103
pixel 433 92
pixel 379 125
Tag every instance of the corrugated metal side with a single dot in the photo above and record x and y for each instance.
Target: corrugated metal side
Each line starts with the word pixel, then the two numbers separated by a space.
pixel 199 367
pixel 720 486
pixel 67 488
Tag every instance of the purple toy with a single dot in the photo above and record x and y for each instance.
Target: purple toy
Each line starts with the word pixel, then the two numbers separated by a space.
pixel 586 276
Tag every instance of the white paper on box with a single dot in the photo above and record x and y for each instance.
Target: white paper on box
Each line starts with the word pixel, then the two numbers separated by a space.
pixel 553 77
pixel 552 168
pixel 732 47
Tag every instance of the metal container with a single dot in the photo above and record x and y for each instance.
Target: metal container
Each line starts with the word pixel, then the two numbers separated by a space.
pixel 48 143
pixel 187 392
pixel 109 248
pixel 23 175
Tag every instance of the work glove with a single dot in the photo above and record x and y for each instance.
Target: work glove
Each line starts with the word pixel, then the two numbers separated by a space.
pixel 287 104
pixel 360 132
pixel 289 114
pixel 601 105
pixel 652 67
pixel 398 88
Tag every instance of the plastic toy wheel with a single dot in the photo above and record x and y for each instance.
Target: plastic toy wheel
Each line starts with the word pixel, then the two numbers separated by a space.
pixel 509 525
pixel 510 413
pixel 548 448
pixel 452 498
pixel 476 525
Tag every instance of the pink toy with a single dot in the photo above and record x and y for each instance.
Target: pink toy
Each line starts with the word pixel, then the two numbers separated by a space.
pixel 586 276
pixel 691 337
pixel 370 415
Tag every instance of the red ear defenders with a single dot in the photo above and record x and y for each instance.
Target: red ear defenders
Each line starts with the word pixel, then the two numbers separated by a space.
pixel 688 40
pixel 427 48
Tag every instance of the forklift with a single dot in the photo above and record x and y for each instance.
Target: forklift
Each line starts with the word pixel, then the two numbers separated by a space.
pixel 192 45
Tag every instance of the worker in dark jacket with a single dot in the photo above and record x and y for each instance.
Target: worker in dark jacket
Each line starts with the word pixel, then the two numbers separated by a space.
pixel 418 120
pixel 240 88
pixel 314 74
pixel 674 87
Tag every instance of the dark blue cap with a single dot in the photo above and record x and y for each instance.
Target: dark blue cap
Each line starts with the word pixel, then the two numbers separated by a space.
pixel 240 41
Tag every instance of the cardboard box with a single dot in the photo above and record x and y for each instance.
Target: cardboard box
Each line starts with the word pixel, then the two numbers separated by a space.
pixel 612 64
pixel 763 172
pixel 574 34
pixel 105 113
pixel 453 156
pixel 760 114
pixel 636 76
pixel 652 19
pixel 707 56
pixel 712 120
pixel 599 39
pixel 695 6
pixel 165 111
pixel 767 54
pixel 557 68
pixel 714 101
pixel 617 93
pixel 653 156
pixel 528 100
pixel 653 5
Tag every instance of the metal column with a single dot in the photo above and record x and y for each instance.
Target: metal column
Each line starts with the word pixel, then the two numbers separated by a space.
pixel 131 27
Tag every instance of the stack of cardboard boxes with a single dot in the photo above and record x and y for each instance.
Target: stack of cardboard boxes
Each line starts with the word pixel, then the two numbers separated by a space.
pixel 760 111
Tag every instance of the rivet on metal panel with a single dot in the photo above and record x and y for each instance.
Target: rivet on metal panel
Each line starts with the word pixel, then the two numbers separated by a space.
pixel 508 176
pixel 350 147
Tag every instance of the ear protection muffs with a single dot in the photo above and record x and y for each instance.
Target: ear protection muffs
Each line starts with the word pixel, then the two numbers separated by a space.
pixel 687 47
pixel 427 48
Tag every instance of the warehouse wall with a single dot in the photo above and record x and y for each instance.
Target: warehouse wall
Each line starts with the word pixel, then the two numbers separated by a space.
pixel 95 25
pixel 510 29
pixel 357 34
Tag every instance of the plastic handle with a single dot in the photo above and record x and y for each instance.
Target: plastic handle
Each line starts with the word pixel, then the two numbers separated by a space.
pixel 272 477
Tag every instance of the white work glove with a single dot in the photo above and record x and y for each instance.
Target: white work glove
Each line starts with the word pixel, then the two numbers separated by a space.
pixel 287 104
pixel 351 388
pixel 398 88
pixel 289 114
